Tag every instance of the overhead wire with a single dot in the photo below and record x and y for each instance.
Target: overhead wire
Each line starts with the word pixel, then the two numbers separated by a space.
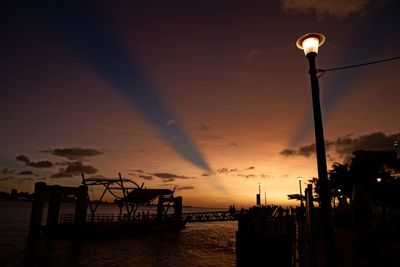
pixel 322 71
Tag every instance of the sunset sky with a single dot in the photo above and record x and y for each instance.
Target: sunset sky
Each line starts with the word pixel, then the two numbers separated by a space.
pixel 212 97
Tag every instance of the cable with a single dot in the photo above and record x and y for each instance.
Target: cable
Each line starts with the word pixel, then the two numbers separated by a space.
pixel 357 65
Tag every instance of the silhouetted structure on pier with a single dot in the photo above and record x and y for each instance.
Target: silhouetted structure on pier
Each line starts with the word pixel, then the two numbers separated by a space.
pixel 81 225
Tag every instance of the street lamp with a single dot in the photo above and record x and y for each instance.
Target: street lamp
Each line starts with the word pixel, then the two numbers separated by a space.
pixel 301 192
pixel 310 43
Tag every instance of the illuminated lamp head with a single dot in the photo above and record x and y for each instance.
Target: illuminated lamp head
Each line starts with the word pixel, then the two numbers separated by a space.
pixel 310 42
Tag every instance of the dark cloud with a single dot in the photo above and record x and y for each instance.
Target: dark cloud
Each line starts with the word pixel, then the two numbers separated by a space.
pixel 73 169
pixel 23 158
pixel 376 141
pixel 146 177
pixel 344 146
pixel 75 153
pixel 38 164
pixel 26 173
pixel 7 171
pixel 233 170
pixel 140 171
pixel 225 170
pixel 288 152
pixel 233 144
pixel 6 178
pixel 307 150
pixel 26 179
pixel 61 163
pixel 247 175
pixel 322 8
pixel 205 174
pixel 180 188
pixel 165 175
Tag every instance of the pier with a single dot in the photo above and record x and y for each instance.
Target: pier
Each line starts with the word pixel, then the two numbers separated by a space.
pixel 191 217
pixel 214 216
pixel 87 223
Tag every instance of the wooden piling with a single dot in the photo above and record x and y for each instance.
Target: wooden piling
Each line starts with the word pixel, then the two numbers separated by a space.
pixel 37 210
pixel 81 205
pixel 53 212
pixel 178 208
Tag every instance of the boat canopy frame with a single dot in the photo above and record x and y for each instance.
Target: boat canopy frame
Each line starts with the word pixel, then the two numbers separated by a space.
pixel 123 190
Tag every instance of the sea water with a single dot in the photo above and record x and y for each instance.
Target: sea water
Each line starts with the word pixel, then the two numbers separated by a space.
pixel 199 244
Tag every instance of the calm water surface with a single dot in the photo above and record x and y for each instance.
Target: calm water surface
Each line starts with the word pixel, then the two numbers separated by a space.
pixel 200 244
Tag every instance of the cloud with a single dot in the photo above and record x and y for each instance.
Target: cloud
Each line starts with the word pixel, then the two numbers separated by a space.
pixel 26 179
pixel 247 175
pixel 7 171
pixel 165 175
pixel 344 146
pixel 75 153
pixel 140 171
pixel 340 9
pixel 180 188
pixel 62 163
pixel 23 158
pixel 288 152
pixel 6 178
pixel 146 177
pixel 38 164
pixel 168 180
pixel 73 169
pixel 223 170
pixel 307 150
pixel 378 141
pixel 205 174
pixel 227 171
pixel 203 126
pixel 25 173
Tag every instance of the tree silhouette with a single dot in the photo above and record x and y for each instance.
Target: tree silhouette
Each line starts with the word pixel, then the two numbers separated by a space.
pixel 377 171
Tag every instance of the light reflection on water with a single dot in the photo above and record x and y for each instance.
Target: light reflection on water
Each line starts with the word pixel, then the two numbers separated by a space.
pixel 200 244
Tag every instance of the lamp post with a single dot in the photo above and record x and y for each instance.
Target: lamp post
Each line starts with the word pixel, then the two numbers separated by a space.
pixel 301 194
pixel 310 43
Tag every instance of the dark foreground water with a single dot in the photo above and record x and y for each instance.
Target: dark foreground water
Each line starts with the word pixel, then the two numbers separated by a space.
pixel 200 244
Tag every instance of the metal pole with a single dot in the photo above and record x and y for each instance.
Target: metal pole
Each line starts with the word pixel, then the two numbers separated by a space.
pixel 324 194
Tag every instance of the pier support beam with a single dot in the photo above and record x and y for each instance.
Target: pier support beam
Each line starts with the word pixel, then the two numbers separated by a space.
pixel 37 210
pixel 160 208
pixel 81 205
pixel 178 208
pixel 53 212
